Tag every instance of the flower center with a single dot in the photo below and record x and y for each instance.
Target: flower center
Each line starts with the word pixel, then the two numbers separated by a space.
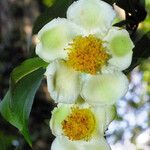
pixel 87 54
pixel 79 125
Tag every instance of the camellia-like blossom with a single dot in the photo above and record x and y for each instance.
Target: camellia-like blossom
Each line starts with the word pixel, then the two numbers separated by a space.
pixel 80 126
pixel 86 54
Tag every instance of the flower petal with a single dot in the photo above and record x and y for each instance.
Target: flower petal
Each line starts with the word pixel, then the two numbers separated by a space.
pixel 110 114
pixel 63 82
pixel 105 88
pixel 100 115
pixel 53 38
pixel 65 144
pixel 104 115
pixel 120 46
pixel 99 144
pixel 59 114
pixel 91 14
pixel 61 143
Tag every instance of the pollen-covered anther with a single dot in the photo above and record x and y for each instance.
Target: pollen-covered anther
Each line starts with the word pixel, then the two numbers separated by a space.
pixel 87 54
pixel 79 125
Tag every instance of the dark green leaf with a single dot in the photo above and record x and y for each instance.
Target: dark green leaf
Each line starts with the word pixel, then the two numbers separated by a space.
pixel 142 2
pixel 141 51
pixel 26 68
pixel 58 9
pixel 16 105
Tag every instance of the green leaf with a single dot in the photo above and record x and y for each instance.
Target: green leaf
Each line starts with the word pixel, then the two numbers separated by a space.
pixel 16 105
pixel 26 68
pixel 142 2
pixel 141 51
pixel 58 9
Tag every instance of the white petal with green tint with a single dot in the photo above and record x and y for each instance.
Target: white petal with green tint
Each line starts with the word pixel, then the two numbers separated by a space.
pixel 110 114
pixel 61 143
pixel 119 44
pixel 54 37
pixel 100 116
pixel 100 144
pixel 104 116
pixel 121 63
pixel 105 88
pixel 63 82
pixel 59 114
pixel 91 14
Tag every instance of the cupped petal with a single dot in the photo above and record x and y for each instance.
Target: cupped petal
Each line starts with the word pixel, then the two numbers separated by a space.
pixel 65 144
pixel 104 88
pixel 120 46
pixel 63 82
pixel 53 38
pixel 91 14
pixel 59 114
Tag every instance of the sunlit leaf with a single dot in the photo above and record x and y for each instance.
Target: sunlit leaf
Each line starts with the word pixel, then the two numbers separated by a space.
pixel 26 68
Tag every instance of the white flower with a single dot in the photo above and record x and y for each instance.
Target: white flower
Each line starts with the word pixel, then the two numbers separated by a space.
pixel 80 126
pixel 87 54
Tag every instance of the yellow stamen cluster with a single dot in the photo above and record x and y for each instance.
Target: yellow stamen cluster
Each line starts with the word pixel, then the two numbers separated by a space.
pixel 80 124
pixel 87 54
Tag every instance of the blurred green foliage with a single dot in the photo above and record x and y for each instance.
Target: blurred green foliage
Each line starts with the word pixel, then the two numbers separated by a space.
pixel 48 3
pixel 145 26
pixel 6 141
